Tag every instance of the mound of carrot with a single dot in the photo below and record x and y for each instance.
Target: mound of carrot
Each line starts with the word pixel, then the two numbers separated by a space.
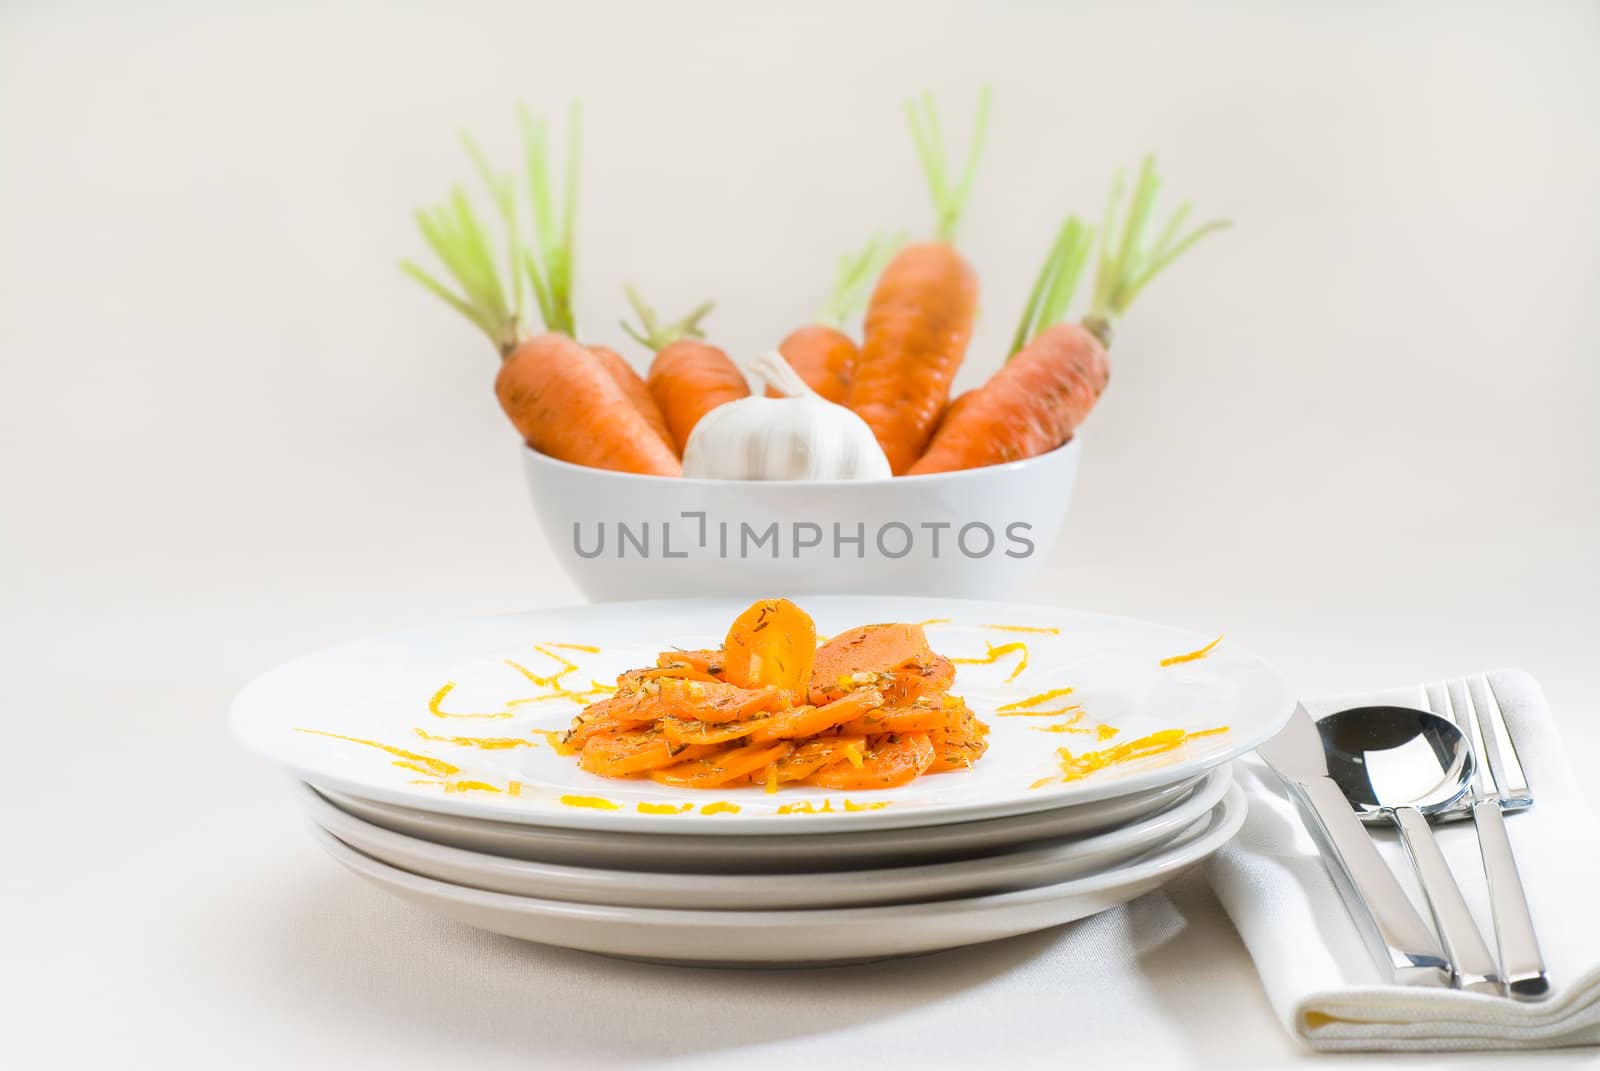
pixel 583 402
pixel 870 708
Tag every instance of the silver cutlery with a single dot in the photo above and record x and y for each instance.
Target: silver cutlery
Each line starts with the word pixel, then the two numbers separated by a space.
pixel 1498 785
pixel 1399 765
pixel 1401 942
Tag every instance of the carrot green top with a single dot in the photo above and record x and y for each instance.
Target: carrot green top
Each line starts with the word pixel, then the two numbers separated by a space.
pixel 854 277
pixel 488 295
pixel 948 199
pixel 1124 266
pixel 655 335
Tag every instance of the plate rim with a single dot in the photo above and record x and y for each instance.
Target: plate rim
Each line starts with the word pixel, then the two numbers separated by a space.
pixel 1048 798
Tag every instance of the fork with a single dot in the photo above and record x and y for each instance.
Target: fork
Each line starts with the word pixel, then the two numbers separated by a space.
pixel 1498 785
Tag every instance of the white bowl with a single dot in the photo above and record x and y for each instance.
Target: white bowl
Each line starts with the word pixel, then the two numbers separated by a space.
pixel 981 533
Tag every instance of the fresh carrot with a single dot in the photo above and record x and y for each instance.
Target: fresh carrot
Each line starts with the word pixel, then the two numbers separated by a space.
pixel 689 377
pixel 559 395
pixel 1058 370
pixel 920 317
pixel 822 354
pixel 567 406
pixel 634 389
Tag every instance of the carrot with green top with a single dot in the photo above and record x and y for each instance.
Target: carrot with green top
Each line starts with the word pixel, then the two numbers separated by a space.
pixel 823 355
pixel 919 319
pixel 1058 369
pixel 689 377
pixel 561 396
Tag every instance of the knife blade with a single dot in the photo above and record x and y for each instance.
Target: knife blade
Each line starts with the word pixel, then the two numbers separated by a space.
pixel 1401 943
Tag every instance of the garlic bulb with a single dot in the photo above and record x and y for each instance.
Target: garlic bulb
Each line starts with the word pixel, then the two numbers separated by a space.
pixel 801 436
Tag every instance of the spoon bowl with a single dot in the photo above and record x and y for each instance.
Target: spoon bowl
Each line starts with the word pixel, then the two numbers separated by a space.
pixel 1388 757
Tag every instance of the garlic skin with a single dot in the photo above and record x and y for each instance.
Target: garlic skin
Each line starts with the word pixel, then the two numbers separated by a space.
pixel 801 436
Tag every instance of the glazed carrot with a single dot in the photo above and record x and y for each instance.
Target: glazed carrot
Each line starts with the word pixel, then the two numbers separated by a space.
pixel 869 651
pixel 809 721
pixel 566 406
pixel 622 754
pixel 1058 370
pixel 560 396
pixel 772 643
pixel 719 768
pixel 920 317
pixel 633 387
pixel 957 748
pixel 888 718
pixel 890 761
pixel 822 354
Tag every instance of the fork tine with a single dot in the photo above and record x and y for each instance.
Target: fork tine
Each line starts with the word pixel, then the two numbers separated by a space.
pixel 1497 746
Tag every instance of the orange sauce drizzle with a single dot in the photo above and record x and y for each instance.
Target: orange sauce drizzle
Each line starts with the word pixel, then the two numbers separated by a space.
pixel 996 652
pixel 586 648
pixel 1192 656
pixel 1071 725
pixel 434 705
pixel 1077 767
pixel 484 743
pixel 722 807
pixel 933 621
pixel 594 803
pixel 664 808
pixel 807 808
pixel 556 739
pixel 877 805
pixel 409 760
pixel 1034 701
pixel 473 786
pixel 1046 631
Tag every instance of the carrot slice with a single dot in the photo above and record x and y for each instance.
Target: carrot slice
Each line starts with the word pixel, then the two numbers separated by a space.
pixel 816 753
pixel 705 732
pixel 719 768
pixel 894 760
pixel 772 643
pixel 809 721
pixel 903 720
pixel 707 662
pixel 958 747
pixel 621 754
pixel 870 649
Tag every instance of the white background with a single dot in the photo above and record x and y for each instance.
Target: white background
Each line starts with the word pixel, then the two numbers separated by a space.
pixel 1355 432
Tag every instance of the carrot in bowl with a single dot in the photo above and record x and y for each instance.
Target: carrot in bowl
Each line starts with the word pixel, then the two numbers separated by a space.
pixel 919 319
pixel 823 355
pixel 1058 370
pixel 689 377
pixel 559 395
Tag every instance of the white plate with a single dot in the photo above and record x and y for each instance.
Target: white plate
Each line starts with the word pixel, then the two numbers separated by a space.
pixel 371 718
pixel 806 852
pixel 773 938
pixel 1043 864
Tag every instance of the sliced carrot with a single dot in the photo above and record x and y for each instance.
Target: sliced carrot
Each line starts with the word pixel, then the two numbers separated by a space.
pixel 719 768
pixel 622 754
pixel 809 721
pixel 870 649
pixel 811 756
pixel 958 747
pixel 707 662
pixel 894 760
pixel 704 732
pixel 903 720
pixel 772 643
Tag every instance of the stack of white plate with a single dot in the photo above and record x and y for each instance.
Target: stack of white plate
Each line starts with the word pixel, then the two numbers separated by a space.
pixel 430 766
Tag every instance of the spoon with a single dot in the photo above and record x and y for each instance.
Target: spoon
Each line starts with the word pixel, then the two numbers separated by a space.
pixel 1399 765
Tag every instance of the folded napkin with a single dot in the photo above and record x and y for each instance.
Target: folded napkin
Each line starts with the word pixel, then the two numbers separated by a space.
pixel 1313 964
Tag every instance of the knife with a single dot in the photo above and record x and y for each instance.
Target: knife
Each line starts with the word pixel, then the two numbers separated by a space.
pixel 1403 945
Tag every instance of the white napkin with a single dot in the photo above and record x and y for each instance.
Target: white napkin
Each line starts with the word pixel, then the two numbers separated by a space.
pixel 1314 966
